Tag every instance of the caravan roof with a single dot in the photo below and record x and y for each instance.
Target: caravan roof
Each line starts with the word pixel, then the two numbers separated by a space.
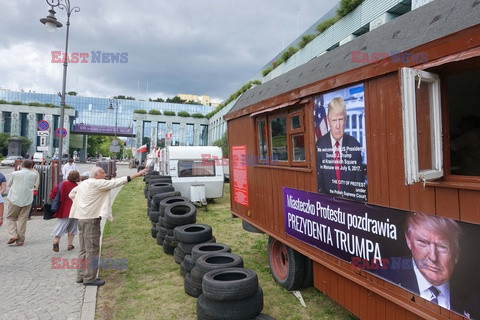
pixel 193 152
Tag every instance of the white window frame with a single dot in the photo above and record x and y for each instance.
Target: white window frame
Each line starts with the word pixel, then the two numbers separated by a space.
pixel 411 80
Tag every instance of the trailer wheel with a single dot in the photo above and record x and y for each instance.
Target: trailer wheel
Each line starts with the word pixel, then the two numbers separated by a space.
pixel 286 264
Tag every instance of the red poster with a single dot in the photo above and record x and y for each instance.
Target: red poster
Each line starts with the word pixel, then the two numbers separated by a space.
pixel 240 181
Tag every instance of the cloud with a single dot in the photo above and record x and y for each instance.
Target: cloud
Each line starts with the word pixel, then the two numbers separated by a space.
pixel 207 47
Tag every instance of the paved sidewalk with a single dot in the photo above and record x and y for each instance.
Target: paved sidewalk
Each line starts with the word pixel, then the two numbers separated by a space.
pixel 30 288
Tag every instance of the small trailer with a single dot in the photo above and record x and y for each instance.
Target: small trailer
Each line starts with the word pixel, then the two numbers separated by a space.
pixel 349 154
pixel 196 171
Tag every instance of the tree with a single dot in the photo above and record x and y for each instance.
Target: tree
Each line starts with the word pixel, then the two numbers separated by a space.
pixel 176 99
pixel 222 143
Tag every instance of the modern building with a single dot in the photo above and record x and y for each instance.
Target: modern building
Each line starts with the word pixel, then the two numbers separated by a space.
pixel 204 100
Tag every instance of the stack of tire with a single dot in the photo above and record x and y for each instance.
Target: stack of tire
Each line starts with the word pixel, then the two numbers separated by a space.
pixel 155 213
pixel 156 187
pixel 206 263
pixel 179 213
pixel 188 236
pixel 230 293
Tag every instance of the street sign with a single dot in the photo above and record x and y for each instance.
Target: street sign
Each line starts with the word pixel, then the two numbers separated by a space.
pixel 43 125
pixel 39 148
pixel 114 149
pixel 57 132
pixel 43 141
pixel 43 133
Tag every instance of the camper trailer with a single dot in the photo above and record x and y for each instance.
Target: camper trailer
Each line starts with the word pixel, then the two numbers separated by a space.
pixel 356 166
pixel 196 171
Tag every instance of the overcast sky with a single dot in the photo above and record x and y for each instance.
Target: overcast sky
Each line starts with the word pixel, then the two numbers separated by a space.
pixel 209 47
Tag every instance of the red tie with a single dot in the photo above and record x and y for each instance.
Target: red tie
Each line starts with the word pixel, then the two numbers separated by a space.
pixel 337 164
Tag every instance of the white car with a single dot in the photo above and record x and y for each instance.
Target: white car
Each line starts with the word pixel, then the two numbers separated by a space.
pixel 10 160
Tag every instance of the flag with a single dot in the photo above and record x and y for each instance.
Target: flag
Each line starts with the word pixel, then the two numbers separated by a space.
pixel 142 149
pixel 169 135
pixel 320 116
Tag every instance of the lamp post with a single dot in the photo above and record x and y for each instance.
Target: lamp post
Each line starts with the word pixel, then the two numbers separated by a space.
pixel 114 147
pixel 52 24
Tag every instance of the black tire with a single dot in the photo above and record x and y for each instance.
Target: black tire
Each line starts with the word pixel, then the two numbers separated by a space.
pixel 154 216
pixel 159 179
pixel 160 239
pixel 165 202
pixel 308 275
pixel 160 221
pixel 188 262
pixel 154 232
pixel 208 309
pixel 221 260
pixel 159 197
pixel 191 289
pixel 179 214
pixel 287 265
pixel 250 228
pixel 206 248
pixel 229 284
pixel 162 232
pixel 160 187
pixel 170 242
pixel 153 206
pixel 193 233
pixel 187 247
pixel 168 250
pixel 178 255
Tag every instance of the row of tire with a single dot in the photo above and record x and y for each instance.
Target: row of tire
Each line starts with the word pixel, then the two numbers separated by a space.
pixel 214 275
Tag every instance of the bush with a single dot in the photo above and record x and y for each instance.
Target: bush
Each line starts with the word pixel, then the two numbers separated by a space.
pixel 141 111
pixel 290 51
pixel 183 114
pixel 35 104
pixel 50 105
pixel 3 102
pixel 347 6
pixel 17 103
pixel 168 113
pixel 156 112
pixel 197 115
pixel 305 40
pixel 324 25
pixel 267 71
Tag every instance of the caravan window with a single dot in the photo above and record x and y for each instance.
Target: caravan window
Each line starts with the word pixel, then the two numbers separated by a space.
pixel 200 168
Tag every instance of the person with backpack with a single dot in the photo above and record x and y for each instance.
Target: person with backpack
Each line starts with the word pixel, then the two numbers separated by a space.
pixel 62 203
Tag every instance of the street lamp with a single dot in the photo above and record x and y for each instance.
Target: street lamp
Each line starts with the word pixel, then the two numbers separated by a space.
pixel 52 24
pixel 114 147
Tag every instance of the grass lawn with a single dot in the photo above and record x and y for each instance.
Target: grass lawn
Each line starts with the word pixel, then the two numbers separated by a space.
pixel 152 287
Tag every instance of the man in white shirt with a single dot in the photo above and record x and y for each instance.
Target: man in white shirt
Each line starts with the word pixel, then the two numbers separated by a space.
pixel 20 197
pixel 91 202
pixel 67 167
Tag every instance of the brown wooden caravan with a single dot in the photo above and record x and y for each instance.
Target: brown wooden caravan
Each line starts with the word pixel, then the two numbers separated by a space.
pixel 405 111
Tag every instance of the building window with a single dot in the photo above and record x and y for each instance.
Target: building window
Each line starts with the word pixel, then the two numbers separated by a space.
pixel 203 135
pixel 285 142
pixel 175 134
pixel 162 130
pixel 7 126
pixel 189 135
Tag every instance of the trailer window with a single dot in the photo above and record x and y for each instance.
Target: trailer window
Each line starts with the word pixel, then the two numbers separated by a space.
pixel 278 138
pixel 422 125
pixel 189 168
pixel 281 139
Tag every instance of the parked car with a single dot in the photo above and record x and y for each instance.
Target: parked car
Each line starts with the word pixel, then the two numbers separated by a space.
pixel 40 158
pixel 10 160
pixel 64 158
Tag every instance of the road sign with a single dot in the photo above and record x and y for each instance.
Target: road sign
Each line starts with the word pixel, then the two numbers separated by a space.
pixel 43 141
pixel 43 133
pixel 114 149
pixel 43 125
pixel 57 132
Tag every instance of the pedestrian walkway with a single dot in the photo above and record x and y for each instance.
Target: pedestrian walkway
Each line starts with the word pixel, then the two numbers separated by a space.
pixel 30 286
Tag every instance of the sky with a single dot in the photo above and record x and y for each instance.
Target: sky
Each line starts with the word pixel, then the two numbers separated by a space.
pixel 208 47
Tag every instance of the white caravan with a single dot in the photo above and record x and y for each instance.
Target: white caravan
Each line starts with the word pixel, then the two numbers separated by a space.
pixel 197 172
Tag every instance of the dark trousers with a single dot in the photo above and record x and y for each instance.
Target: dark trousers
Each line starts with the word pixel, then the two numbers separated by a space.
pixel 89 238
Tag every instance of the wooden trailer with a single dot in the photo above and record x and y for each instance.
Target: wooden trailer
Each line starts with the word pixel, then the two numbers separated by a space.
pixel 408 87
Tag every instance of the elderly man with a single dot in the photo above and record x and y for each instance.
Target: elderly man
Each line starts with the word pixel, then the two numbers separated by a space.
pixel 20 197
pixel 340 170
pixel 91 202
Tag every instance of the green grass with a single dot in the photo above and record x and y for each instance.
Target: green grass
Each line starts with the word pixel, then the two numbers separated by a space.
pixel 152 287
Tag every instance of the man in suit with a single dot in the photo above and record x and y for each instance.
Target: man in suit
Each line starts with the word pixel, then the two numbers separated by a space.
pixel 340 169
pixel 434 244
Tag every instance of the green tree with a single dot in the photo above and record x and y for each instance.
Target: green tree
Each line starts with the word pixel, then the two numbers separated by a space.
pixel 222 143
pixel 176 99
pixel 4 143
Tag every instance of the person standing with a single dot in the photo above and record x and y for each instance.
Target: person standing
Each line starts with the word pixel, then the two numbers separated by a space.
pixel 91 202
pixel 3 187
pixel 65 225
pixel 20 197
pixel 67 167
